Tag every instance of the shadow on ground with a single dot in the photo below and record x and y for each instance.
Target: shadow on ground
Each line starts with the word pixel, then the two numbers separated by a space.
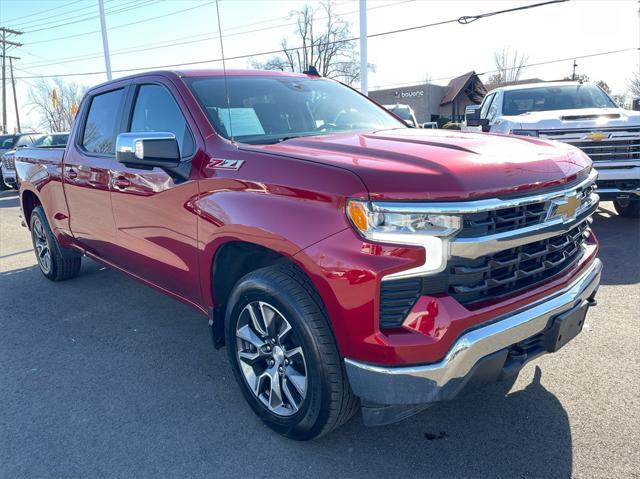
pixel 619 245
pixel 124 382
pixel 101 376
pixel 9 199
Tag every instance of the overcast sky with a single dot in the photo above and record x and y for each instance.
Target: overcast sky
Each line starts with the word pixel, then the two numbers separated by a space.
pixel 566 30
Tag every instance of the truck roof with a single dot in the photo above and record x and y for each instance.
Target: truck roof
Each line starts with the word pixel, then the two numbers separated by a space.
pixel 206 72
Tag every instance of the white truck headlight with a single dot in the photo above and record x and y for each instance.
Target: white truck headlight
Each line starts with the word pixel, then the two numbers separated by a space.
pixel 377 222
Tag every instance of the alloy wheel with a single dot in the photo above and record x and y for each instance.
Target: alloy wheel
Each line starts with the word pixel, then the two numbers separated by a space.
pixel 41 244
pixel 271 358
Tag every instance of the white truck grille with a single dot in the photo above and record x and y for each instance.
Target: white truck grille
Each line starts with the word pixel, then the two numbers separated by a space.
pixel 607 144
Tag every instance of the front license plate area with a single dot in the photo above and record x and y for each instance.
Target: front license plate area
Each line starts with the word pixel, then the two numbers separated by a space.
pixel 565 327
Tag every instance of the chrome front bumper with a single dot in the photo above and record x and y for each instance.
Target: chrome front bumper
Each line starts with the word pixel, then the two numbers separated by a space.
pixel 407 385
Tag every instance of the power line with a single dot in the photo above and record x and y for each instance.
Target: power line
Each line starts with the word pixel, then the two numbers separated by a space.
pixel 72 13
pixel 127 70
pixel 529 65
pixel 462 20
pixel 123 25
pixel 176 42
pixel 41 12
pixel 90 16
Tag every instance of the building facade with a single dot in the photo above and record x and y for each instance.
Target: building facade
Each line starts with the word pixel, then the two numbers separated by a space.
pixel 436 102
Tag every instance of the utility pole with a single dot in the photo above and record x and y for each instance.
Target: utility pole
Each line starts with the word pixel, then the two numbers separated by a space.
pixel 5 35
pixel 105 40
pixel 15 97
pixel 364 64
pixel 573 75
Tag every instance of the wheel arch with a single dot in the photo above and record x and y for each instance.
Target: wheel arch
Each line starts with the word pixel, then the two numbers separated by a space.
pixel 29 201
pixel 235 258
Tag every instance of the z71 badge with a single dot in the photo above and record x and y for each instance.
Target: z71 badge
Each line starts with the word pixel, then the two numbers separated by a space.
pixel 224 164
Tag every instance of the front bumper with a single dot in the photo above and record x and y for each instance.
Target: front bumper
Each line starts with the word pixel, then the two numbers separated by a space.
pixel 411 385
pixel 618 182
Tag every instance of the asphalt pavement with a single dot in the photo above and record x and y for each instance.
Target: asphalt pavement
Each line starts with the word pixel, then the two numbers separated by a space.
pixel 101 376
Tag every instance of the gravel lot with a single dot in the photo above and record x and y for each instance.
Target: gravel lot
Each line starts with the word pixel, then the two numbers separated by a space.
pixel 103 377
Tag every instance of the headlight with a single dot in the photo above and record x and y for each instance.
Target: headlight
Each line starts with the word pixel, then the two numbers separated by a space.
pixel 524 132
pixel 381 223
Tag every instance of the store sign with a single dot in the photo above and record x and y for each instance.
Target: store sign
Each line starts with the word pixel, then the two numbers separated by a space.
pixel 409 94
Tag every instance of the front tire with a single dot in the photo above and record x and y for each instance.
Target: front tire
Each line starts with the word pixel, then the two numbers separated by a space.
pixel 284 355
pixel 627 208
pixel 53 264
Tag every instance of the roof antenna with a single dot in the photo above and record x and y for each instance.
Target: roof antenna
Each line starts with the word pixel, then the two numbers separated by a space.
pixel 313 71
pixel 224 71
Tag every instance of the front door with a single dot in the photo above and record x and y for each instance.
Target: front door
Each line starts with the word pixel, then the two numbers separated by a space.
pixel 156 230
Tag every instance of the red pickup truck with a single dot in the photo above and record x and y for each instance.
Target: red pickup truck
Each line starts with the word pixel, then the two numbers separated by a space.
pixel 345 260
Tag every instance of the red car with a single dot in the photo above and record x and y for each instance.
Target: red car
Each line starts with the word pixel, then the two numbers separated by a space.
pixel 345 260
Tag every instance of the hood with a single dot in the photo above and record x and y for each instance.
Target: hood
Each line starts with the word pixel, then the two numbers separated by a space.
pixel 576 118
pixel 417 164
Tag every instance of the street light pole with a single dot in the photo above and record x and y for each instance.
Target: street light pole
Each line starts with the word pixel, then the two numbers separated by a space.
pixel 364 65
pixel 105 40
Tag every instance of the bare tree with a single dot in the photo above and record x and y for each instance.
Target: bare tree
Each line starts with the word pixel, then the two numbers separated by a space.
pixel 58 114
pixel 634 85
pixel 322 41
pixel 509 66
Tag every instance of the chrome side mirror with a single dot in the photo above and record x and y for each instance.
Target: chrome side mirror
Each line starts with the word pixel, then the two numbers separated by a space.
pixel 149 149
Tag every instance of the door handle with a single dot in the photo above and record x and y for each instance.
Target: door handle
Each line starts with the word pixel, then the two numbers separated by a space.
pixel 121 182
pixel 72 174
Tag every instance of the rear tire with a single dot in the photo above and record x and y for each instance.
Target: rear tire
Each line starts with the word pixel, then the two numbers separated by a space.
pixel 627 208
pixel 54 264
pixel 272 312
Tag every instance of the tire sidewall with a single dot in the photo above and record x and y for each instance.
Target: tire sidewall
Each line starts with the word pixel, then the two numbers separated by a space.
pixel 313 413
pixel 630 210
pixel 38 214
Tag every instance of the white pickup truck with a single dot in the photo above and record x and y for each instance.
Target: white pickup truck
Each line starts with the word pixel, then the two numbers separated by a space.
pixel 581 114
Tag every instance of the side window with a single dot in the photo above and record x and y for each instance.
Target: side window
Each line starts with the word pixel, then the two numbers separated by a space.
pixel 493 108
pixel 99 134
pixel 486 104
pixel 156 110
pixel 24 141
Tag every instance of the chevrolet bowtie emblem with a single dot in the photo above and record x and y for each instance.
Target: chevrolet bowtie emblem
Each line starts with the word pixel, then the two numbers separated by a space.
pixel 596 136
pixel 564 207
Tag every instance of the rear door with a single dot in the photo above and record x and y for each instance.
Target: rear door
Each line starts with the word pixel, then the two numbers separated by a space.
pixel 155 222
pixel 88 162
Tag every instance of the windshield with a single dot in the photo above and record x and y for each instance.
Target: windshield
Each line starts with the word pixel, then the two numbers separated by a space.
pixel 269 109
pixel 58 139
pixel 7 141
pixel 403 113
pixel 517 102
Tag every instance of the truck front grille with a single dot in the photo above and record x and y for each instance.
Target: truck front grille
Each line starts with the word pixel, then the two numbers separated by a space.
pixel 509 219
pixel 486 278
pixel 618 144
pixel 8 162
pixel 514 269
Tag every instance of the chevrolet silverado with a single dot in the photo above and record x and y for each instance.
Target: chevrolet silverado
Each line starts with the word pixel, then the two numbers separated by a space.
pixel 346 261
